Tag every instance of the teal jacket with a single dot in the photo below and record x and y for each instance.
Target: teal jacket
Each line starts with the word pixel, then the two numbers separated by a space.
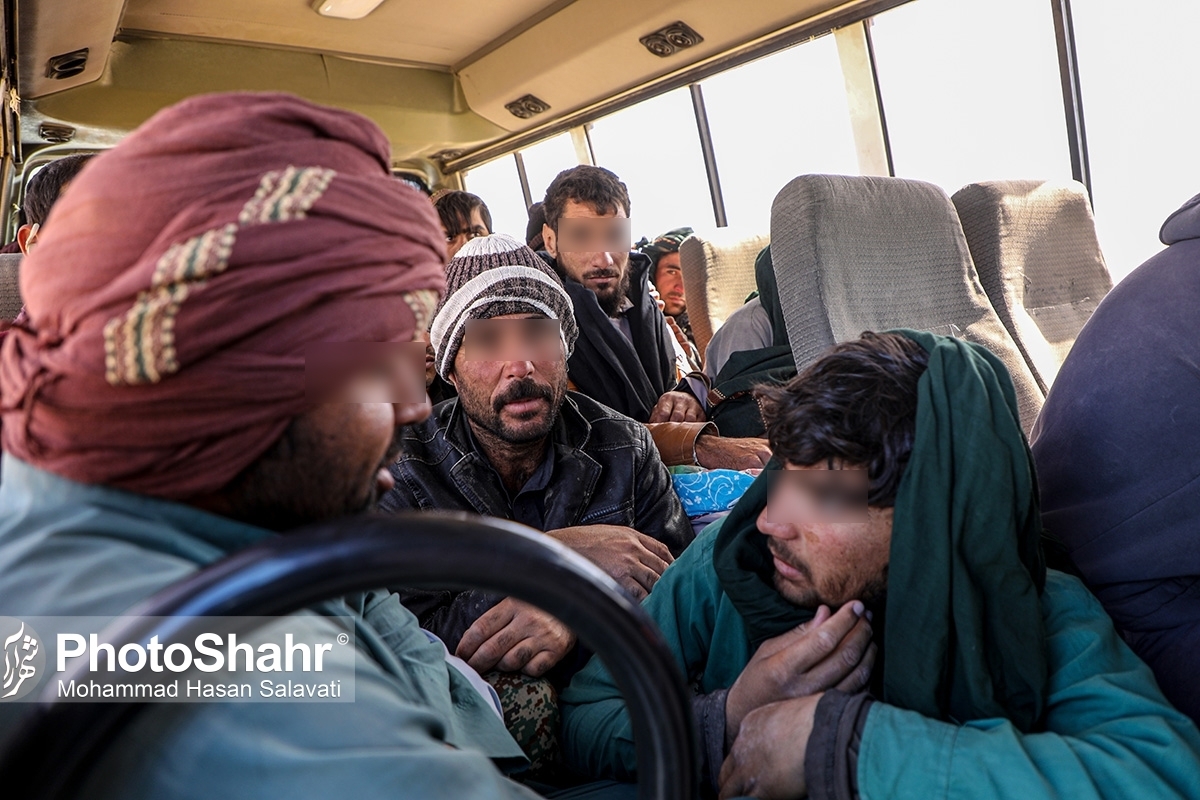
pixel 415 729
pixel 1109 733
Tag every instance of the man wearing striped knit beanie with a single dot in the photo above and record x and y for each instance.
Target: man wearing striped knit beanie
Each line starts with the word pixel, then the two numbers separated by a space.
pixel 516 444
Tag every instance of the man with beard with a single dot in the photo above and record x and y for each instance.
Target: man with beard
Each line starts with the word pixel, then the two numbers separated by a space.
pixel 516 444
pixel 896 548
pixel 626 358
pixel 163 417
pixel 667 277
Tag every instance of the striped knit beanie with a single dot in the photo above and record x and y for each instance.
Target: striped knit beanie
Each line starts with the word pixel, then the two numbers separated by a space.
pixel 492 276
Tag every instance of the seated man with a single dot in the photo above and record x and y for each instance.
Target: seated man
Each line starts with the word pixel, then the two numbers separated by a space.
pixel 533 229
pixel 756 324
pixel 517 445
pixel 667 277
pixel 626 357
pixel 464 217
pixel 43 191
pixel 158 421
pixel 1117 447
pixel 905 512
pixel 751 350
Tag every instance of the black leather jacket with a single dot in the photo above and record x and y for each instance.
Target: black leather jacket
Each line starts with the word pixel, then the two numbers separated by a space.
pixel 607 471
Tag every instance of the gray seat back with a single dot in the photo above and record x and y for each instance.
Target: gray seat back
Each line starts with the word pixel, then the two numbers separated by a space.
pixel 10 285
pixel 853 254
pixel 718 275
pixel 1035 248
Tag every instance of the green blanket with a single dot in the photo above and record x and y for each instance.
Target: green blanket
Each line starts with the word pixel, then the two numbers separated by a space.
pixel 962 632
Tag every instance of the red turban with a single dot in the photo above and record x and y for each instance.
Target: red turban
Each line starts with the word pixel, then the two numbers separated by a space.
pixel 182 276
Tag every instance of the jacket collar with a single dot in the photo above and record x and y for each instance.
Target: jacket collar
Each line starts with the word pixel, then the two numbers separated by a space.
pixel 572 483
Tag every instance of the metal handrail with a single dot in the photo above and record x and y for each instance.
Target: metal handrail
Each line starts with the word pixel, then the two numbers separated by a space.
pixel 58 742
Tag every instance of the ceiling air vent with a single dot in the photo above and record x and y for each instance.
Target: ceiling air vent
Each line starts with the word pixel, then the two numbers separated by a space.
pixel 670 40
pixel 56 134
pixel 67 65
pixel 527 106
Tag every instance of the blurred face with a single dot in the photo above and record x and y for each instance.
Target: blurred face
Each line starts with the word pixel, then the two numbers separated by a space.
pixel 430 358
pixel 473 229
pixel 828 546
pixel 668 279
pixel 593 250
pixel 330 462
pixel 357 442
pixel 511 376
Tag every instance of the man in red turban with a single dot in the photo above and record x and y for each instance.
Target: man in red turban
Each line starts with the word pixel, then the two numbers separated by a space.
pixel 157 416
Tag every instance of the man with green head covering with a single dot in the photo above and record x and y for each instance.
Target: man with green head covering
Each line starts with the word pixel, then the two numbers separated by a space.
pixel 875 617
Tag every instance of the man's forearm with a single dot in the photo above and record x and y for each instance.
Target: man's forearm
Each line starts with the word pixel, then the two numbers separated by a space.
pixel 676 441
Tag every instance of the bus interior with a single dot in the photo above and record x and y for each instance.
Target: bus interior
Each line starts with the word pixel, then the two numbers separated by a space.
pixel 1039 145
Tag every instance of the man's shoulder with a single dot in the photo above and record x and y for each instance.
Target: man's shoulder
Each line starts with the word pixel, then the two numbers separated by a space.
pixel 1078 630
pixel 422 467
pixel 88 560
pixel 695 564
pixel 1066 594
pixel 608 427
pixel 420 438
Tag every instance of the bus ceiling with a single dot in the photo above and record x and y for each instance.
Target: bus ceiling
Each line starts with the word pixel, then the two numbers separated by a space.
pixel 444 80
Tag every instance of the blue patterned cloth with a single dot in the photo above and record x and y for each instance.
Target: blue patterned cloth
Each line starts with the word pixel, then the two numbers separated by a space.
pixel 710 491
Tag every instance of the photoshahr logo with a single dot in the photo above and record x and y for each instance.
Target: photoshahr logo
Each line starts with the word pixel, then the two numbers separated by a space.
pixel 24 659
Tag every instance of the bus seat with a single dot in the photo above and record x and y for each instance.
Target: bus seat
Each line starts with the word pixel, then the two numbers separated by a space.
pixel 1035 247
pixel 718 276
pixel 853 254
pixel 10 286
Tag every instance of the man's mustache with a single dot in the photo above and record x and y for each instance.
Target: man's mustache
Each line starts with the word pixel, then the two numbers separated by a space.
pixel 524 389
pixel 601 273
pixel 775 551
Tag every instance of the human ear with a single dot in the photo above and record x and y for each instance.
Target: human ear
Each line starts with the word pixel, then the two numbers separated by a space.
pixel 23 234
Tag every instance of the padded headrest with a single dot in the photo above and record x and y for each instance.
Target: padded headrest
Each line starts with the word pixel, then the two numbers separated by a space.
pixel 1034 245
pixel 10 285
pixel 862 253
pixel 718 275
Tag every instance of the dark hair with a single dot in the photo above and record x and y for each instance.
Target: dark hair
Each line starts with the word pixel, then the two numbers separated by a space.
pixel 595 186
pixel 47 184
pixel 533 231
pixel 455 209
pixel 856 403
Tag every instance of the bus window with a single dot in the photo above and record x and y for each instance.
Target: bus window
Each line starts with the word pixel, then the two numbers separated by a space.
pixel 655 149
pixel 971 91
pixel 1141 115
pixel 774 119
pixel 544 160
pixel 499 185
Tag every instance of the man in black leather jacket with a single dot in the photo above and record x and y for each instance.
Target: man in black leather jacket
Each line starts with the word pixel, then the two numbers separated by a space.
pixel 517 445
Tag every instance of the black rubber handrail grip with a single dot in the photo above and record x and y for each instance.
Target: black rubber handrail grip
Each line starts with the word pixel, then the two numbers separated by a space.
pixel 57 743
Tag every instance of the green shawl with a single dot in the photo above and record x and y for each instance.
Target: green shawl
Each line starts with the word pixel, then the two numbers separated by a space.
pixel 964 637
